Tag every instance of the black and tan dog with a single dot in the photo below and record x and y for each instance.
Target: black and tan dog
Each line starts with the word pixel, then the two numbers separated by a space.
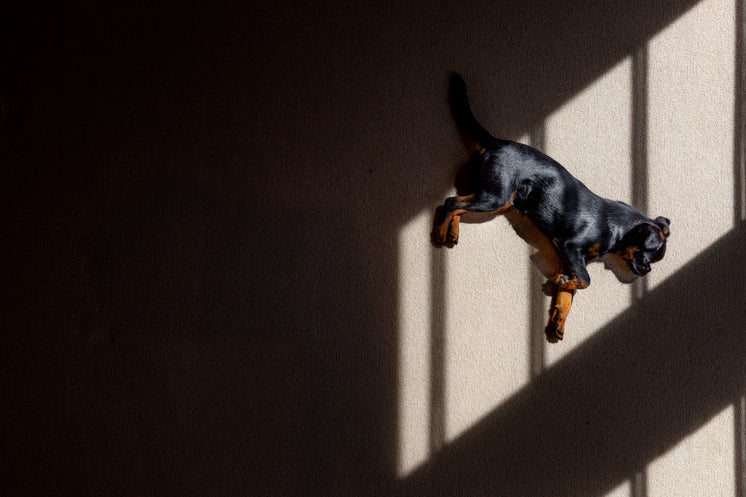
pixel 505 176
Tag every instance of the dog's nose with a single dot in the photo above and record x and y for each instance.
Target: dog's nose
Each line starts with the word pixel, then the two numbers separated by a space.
pixel 640 269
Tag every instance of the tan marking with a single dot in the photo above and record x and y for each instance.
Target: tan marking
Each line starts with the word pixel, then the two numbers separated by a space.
pixel 573 283
pixel 453 229
pixel 629 252
pixel 595 250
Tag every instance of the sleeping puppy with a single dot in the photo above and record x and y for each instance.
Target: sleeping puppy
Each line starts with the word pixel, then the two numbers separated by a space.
pixel 508 177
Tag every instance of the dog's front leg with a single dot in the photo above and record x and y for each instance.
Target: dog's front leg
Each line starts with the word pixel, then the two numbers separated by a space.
pixel 558 312
pixel 577 277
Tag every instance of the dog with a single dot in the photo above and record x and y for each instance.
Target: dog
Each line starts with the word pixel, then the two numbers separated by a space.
pixel 507 177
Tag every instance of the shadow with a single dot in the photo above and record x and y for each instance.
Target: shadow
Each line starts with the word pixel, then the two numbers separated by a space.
pixel 438 334
pixel 221 339
pixel 739 117
pixel 537 308
pixel 589 39
pixel 739 215
pixel 190 348
pixel 655 374
pixel 639 145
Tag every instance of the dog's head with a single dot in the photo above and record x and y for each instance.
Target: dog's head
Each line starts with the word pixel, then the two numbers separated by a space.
pixel 644 244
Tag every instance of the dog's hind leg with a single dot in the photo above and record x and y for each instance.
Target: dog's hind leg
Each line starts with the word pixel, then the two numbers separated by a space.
pixel 447 217
pixel 453 230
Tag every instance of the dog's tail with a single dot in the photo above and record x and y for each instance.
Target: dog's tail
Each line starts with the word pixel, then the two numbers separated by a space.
pixel 465 117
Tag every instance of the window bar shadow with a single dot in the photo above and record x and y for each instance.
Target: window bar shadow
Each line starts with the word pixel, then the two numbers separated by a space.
pixel 536 309
pixel 739 215
pixel 437 399
pixel 739 118
pixel 639 175
pixel 639 144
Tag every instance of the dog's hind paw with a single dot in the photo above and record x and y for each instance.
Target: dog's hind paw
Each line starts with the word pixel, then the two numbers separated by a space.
pixel 438 238
pixel 447 237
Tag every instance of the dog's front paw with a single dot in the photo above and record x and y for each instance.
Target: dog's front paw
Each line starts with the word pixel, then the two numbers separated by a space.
pixel 555 330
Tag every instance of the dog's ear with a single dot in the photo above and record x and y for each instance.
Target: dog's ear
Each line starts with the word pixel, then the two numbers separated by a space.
pixel 634 238
pixel 663 223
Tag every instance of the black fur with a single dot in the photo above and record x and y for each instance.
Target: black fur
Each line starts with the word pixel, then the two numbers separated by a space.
pixel 583 226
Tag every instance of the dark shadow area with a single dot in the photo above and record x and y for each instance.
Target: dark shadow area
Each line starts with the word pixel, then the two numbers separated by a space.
pixel 740 444
pixel 201 205
pixel 646 380
pixel 201 356
pixel 438 333
pixel 537 312
pixel 739 117
pixel 639 144
pixel 547 57
pixel 739 215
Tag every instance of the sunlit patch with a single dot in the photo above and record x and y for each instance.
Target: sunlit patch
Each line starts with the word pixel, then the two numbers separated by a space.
pixel 477 296
pixel 486 323
pixel 622 490
pixel 596 148
pixel 691 104
pixel 414 342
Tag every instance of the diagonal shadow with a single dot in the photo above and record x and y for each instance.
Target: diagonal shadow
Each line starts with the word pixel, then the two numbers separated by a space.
pixel 655 374
pixel 587 39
